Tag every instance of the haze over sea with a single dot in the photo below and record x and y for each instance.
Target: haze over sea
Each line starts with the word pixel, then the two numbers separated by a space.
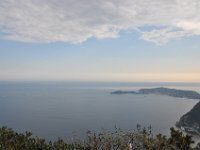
pixel 64 109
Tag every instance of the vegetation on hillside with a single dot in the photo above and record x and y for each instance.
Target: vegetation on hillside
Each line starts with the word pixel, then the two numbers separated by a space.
pixel 191 120
pixel 141 139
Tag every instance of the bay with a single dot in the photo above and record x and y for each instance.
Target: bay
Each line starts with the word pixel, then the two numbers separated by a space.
pixel 64 109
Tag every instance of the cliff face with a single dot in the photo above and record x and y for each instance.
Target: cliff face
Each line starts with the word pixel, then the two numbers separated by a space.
pixel 190 122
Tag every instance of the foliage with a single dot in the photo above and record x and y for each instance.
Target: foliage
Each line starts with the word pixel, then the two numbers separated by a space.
pixel 141 139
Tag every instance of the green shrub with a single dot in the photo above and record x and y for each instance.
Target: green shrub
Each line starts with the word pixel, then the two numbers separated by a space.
pixel 141 139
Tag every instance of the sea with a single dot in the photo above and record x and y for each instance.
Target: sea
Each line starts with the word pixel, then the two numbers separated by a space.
pixel 69 109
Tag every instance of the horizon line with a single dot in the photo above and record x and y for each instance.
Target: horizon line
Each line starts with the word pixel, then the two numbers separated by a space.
pixel 105 81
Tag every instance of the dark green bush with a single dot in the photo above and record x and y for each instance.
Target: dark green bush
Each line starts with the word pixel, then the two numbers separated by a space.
pixel 141 139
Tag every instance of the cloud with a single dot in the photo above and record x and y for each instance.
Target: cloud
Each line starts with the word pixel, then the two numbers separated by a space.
pixel 163 36
pixel 75 21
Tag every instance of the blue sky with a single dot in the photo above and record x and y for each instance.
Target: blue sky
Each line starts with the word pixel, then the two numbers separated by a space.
pixel 100 49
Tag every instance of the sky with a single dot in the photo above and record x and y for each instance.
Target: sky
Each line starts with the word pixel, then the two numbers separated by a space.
pixel 100 40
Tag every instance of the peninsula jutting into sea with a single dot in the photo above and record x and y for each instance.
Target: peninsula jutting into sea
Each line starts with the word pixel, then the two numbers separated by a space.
pixel 190 122
pixel 164 91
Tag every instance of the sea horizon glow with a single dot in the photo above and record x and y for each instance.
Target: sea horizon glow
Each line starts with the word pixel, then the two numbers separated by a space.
pixel 107 41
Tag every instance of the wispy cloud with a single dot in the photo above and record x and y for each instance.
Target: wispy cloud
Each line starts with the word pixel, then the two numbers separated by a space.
pixel 75 21
pixel 163 36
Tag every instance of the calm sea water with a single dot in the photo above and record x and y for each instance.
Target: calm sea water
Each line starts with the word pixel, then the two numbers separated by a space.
pixel 62 109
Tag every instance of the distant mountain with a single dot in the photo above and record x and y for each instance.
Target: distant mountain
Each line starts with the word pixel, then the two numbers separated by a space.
pixel 164 91
pixel 190 122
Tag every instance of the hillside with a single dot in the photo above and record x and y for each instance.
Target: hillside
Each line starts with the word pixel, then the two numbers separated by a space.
pixel 190 122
